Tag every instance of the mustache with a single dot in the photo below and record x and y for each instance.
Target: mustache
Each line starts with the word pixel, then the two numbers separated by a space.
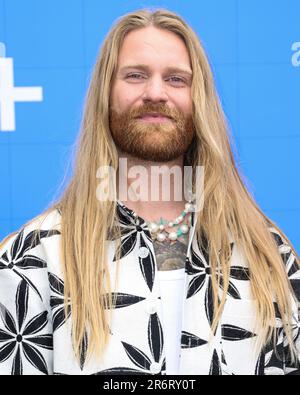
pixel 155 108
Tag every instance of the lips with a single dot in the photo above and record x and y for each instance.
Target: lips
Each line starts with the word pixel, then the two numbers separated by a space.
pixel 153 115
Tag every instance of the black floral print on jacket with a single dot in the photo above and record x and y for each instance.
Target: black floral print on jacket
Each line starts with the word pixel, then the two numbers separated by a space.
pixel 35 331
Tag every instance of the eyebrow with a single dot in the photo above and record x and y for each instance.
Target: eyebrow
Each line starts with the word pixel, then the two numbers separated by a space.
pixel 170 69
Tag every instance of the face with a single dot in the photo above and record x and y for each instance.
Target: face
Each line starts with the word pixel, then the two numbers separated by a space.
pixel 153 77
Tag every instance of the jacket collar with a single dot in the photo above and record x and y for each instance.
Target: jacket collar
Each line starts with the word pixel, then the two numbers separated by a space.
pixel 128 217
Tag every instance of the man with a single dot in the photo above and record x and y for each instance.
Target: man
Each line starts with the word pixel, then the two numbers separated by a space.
pixel 99 286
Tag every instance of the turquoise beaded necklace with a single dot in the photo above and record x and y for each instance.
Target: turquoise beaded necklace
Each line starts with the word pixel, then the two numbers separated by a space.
pixel 158 230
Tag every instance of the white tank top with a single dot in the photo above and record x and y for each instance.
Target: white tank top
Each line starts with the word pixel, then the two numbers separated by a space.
pixel 172 294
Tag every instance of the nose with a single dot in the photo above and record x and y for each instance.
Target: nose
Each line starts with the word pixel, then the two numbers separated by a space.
pixel 155 90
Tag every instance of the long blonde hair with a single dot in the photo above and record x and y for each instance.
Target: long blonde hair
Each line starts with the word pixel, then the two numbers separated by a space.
pixel 228 206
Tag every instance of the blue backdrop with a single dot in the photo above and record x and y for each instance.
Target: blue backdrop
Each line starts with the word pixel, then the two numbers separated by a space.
pixel 254 49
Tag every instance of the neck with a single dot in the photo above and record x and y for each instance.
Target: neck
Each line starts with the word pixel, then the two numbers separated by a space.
pixel 150 188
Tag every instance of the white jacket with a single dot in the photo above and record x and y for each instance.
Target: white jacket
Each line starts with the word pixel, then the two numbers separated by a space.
pixel 35 335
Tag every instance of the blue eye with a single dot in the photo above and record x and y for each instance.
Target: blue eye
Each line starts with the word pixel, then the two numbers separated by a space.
pixel 134 74
pixel 178 79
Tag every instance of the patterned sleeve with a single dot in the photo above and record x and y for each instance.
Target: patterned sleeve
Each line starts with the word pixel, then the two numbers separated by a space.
pixel 293 272
pixel 26 341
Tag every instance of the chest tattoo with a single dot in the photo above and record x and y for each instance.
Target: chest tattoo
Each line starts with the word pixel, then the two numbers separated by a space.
pixel 171 256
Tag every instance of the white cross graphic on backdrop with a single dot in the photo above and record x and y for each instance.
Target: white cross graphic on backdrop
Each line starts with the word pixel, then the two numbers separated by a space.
pixel 9 94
